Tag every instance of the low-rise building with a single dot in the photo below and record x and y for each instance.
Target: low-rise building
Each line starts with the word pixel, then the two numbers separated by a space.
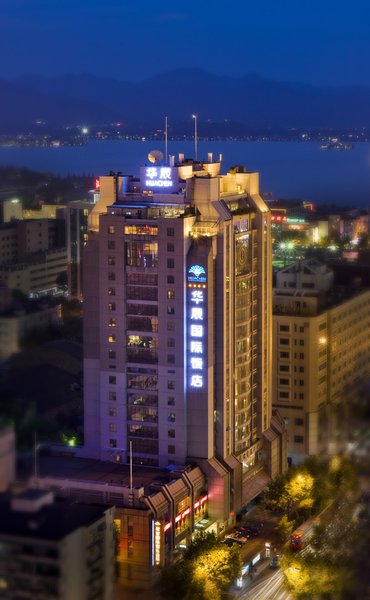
pixel 55 549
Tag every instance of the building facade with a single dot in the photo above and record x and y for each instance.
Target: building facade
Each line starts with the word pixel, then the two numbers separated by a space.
pixel 55 549
pixel 177 301
pixel 321 356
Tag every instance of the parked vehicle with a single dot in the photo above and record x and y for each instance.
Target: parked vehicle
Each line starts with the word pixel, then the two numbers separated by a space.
pixel 275 562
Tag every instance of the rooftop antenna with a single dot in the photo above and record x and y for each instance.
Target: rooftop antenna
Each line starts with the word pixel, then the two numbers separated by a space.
pixel 195 136
pixel 166 140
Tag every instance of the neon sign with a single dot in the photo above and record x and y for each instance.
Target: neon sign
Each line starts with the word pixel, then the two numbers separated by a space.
pixel 197 329
pixel 156 543
pixel 197 273
pixel 158 177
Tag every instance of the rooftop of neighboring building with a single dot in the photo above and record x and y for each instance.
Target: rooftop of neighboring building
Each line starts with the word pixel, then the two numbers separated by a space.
pixel 87 469
pixel 52 521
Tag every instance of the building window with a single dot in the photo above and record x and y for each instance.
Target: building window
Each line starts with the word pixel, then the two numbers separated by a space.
pixel 284 342
pixel 111 229
pixel 130 549
pixel 284 328
pixel 299 421
pixel 301 329
pixel 113 443
pixel 301 355
pixel 170 263
pixel 170 247
pixel 111 338
pixel 171 417
pixel 170 279
pixel 111 276
pixel 170 326
pixel 170 295
pixel 112 396
pixel 301 342
pixel 283 381
pixel 301 382
pixel 111 291
pixel 171 433
pixel 301 396
pixel 170 342
pixel 284 368
pixel 284 395
pixel 111 260
pixel 170 231
pixel 284 355
pixel 112 427
pixel 112 379
pixel 301 369
pixel 170 385
pixel 112 306
pixel 171 449
pixel 111 354
pixel 170 310
pixel 285 421
pixel 112 411
pixel 112 322
pixel 130 530
pixel 111 245
pixel 298 439
pixel 171 401
pixel 171 359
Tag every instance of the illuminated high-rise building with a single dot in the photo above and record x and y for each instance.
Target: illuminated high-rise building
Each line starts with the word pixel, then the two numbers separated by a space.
pixel 177 307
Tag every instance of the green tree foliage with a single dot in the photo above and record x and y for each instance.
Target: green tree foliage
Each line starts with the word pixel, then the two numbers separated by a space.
pixel 284 528
pixel 207 568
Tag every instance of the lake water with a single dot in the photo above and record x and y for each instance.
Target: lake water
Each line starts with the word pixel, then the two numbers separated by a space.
pixel 287 169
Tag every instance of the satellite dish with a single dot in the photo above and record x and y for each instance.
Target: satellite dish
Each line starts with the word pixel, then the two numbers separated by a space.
pixel 155 156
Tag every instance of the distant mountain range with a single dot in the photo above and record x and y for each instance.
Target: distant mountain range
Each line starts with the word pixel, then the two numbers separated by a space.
pixel 252 102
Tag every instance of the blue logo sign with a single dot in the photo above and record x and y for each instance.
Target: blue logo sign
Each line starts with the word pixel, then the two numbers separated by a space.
pixel 197 273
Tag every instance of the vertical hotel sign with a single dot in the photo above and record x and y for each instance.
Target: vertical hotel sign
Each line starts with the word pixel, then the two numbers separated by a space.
pixel 196 329
pixel 156 543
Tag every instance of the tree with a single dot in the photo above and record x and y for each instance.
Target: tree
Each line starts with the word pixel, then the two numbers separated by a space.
pixel 207 568
pixel 284 528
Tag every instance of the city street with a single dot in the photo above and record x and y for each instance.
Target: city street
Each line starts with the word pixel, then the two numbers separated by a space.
pixel 266 586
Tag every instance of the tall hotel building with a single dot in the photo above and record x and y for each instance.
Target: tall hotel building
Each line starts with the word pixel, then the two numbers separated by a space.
pixel 177 303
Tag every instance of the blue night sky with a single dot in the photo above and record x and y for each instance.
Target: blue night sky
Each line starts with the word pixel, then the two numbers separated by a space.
pixel 313 41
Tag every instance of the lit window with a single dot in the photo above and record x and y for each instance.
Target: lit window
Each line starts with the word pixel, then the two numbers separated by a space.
pixel 112 322
pixel 111 291
pixel 111 260
pixel 112 306
pixel 111 338
pixel 111 229
pixel 112 411
pixel 170 294
pixel 170 310
pixel 112 427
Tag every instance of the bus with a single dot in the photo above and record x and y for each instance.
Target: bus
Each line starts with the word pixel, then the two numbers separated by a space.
pixel 303 534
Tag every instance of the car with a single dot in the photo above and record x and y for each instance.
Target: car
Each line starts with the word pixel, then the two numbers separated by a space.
pixel 244 531
pixel 236 537
pixel 275 562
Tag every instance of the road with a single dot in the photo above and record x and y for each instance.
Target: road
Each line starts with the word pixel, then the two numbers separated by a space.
pixel 268 586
